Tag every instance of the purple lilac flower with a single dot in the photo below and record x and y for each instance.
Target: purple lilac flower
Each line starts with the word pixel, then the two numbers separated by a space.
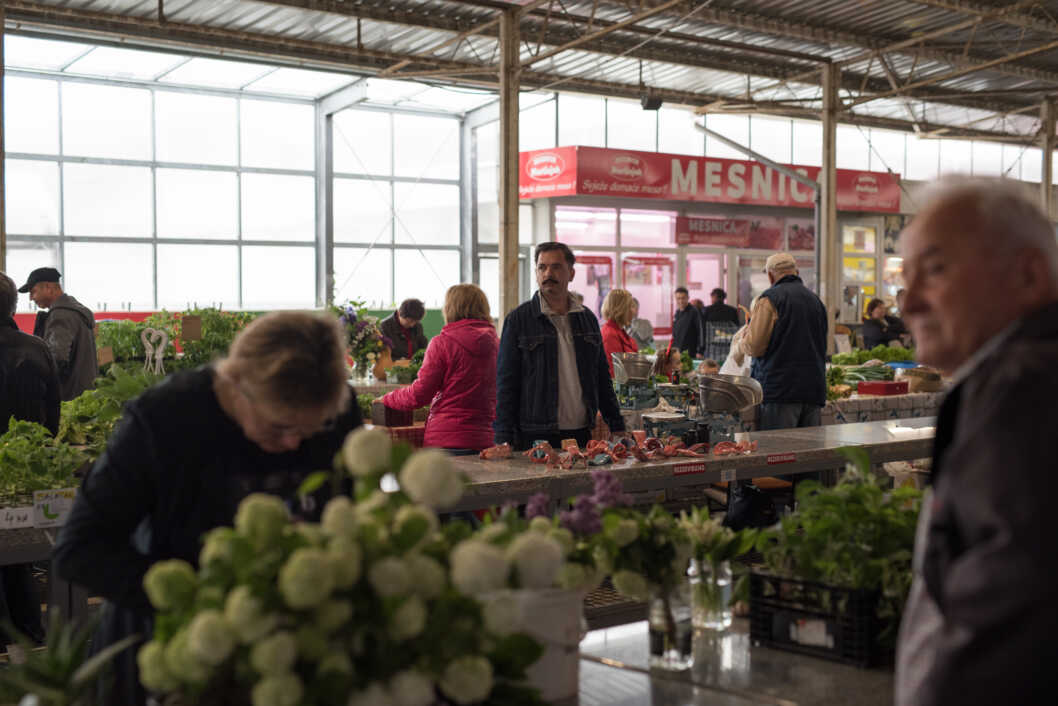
pixel 386 342
pixel 360 325
pixel 584 518
pixel 537 506
pixel 608 490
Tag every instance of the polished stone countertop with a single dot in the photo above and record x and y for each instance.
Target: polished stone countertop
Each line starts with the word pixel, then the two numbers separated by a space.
pixel 727 671
pixel 781 452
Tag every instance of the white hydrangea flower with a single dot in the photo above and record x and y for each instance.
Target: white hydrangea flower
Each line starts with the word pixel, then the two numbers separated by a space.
pixel 374 695
pixel 261 519
pixel 310 532
pixel 364 508
pixel 418 515
pixel 154 674
pixel 243 613
pixel 537 559
pixel 411 688
pixel 339 517
pixel 275 654
pixel 390 577
pixel 572 576
pixel 278 690
pixel 491 533
pixel 540 524
pixel 409 620
pixel 366 451
pixel 631 584
pixel 429 478
pixel 478 567
pixel 345 556
pixel 502 613
pixel 217 546
pixel 170 584
pixel 467 680
pixel 210 637
pixel 428 577
pixel 625 532
pixel 181 663
pixel 306 578
pixel 564 538
pixel 331 615
pixel 336 663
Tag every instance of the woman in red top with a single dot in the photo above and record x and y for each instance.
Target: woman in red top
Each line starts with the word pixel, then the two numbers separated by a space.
pixel 617 310
pixel 458 376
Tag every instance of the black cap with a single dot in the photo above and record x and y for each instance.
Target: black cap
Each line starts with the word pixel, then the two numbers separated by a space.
pixel 41 274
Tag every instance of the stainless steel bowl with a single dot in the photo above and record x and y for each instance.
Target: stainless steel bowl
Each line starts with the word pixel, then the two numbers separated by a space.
pixel 728 393
pixel 632 367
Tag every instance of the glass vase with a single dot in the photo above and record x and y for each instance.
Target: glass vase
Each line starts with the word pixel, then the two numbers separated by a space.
pixel 710 586
pixel 671 633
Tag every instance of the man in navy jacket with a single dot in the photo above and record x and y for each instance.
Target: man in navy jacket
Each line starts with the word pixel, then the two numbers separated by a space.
pixel 551 376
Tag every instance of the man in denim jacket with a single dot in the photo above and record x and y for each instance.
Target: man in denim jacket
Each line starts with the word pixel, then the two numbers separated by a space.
pixel 552 376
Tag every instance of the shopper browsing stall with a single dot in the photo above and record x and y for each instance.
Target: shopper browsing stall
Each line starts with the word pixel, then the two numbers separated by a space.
pixel 981 612
pixel 877 329
pixel 617 310
pixel 189 450
pixel 640 329
pixel 458 376
pixel 404 328
pixel 551 376
pixel 686 325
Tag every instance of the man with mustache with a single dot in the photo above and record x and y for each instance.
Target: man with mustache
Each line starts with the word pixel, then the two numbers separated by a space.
pixel 552 376
pixel 982 607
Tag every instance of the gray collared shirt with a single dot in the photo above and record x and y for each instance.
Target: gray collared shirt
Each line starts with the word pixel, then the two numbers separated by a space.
pixel 572 413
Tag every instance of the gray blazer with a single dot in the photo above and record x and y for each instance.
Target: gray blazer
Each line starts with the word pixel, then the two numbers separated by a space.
pixel 69 331
pixel 982 618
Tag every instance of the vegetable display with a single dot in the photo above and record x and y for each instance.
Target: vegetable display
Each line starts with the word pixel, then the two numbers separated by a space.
pixel 869 373
pixel 32 459
pixel 885 354
pixel 89 419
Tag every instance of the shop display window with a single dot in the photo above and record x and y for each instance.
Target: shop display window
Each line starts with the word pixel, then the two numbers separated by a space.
pixel 648 228
pixel 859 269
pixel 705 272
pixel 892 278
pixel 801 234
pixel 858 239
pixel 650 277
pixel 593 279
pixel 576 225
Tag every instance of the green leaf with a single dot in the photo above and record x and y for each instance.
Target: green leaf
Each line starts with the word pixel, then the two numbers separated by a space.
pixel 513 655
pixel 97 662
pixel 402 451
pixel 312 483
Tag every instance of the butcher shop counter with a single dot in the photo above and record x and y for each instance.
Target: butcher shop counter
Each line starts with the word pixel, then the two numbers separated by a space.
pixel 782 452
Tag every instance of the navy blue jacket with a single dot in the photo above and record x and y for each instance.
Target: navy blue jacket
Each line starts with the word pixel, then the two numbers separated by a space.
pixel 793 368
pixel 527 374
pixel 687 333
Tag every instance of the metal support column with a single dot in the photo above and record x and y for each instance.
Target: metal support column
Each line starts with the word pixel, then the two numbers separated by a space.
pixel 3 155
pixel 468 257
pixel 324 208
pixel 508 245
pixel 829 243
pixel 1047 119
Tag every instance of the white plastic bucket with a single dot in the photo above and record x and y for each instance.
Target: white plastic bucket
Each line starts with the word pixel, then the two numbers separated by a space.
pixel 555 618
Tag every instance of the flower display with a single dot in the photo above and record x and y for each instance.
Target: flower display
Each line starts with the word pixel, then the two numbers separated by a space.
pixel 366 451
pixel 364 339
pixel 429 478
pixel 378 604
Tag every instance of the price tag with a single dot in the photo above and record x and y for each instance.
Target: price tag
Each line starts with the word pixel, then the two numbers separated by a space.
pixel 51 507
pixel 727 474
pixel 191 328
pixel 781 458
pixel 683 469
pixel 16 517
pixel 105 355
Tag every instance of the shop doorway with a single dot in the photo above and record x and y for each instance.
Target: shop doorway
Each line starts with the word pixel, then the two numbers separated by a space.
pixel 651 279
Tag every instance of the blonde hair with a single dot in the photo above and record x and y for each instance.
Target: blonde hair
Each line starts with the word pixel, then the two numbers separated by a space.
pixel 617 307
pixel 296 359
pixel 465 301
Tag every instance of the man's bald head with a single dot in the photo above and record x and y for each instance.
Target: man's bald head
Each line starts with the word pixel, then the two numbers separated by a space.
pixel 973 237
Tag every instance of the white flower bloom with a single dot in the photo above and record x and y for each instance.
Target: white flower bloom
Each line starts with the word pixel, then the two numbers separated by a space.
pixel 572 576
pixel 411 688
pixel 478 567
pixel 409 619
pixel 366 451
pixel 154 674
pixel 390 577
pixel 181 663
pixel 243 613
pixel 374 695
pixel 631 584
pixel 364 508
pixel 335 662
pixel 537 559
pixel 502 613
pixel 261 518
pixel 467 680
pixel 429 478
pixel 491 533
pixel 564 538
pixel 306 579
pixel 416 518
pixel 428 578
pixel 345 557
pixel 540 524
pixel 339 517
pixel 210 638
pixel 278 690
pixel 217 546
pixel 170 584
pixel 310 532
pixel 275 654
pixel 625 532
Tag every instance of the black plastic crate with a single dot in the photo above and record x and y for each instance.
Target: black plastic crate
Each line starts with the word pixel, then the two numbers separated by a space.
pixel 816 619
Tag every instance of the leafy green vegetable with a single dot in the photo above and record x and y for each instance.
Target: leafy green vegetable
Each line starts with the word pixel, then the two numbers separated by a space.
pixel 365 405
pixel 218 331
pixel 858 534
pixel 885 354
pixel 33 460
pixel 89 419
pixel 835 375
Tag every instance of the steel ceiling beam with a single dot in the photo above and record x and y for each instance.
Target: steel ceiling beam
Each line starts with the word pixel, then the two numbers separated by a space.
pixel 979 9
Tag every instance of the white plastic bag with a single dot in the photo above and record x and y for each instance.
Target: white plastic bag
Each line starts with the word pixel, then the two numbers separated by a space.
pixel 731 366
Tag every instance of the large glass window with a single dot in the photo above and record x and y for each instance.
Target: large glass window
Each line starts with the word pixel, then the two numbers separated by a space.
pixel 956 157
pixel 194 128
pixel 581 120
pixel 278 277
pixel 426 148
pixel 425 275
pixel 923 158
pixel 32 204
pixel 733 127
pixel 576 225
pixel 807 143
pixel 278 207
pixel 853 147
pixel 987 158
pixel 364 274
pixel 677 134
pixel 887 151
pixel 771 137
pixel 427 214
pixel 196 203
pixel 630 127
pixel 106 121
pixel 363 211
pixel 115 277
pixel 536 125
pixel 656 229
pixel 277 135
pixel 107 200
pixel 31 115
pixel 210 267
pixel 363 142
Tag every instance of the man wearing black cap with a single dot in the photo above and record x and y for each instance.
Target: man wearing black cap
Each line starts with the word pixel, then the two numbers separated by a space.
pixel 68 328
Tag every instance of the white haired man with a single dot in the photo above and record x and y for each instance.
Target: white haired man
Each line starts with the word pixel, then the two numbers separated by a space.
pixel 982 610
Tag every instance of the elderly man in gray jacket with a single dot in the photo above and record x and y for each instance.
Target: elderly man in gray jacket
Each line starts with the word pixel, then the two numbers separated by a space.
pixel 982 617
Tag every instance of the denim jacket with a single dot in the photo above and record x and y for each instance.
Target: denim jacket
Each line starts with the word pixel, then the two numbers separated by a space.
pixel 527 374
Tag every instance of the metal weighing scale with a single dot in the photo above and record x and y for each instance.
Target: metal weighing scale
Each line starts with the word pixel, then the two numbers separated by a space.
pixel 634 380
pixel 722 399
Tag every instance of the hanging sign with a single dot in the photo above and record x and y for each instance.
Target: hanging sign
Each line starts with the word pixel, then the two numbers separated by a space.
pixel 729 232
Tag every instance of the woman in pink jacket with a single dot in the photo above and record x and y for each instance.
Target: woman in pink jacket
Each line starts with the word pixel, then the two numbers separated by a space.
pixel 458 376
